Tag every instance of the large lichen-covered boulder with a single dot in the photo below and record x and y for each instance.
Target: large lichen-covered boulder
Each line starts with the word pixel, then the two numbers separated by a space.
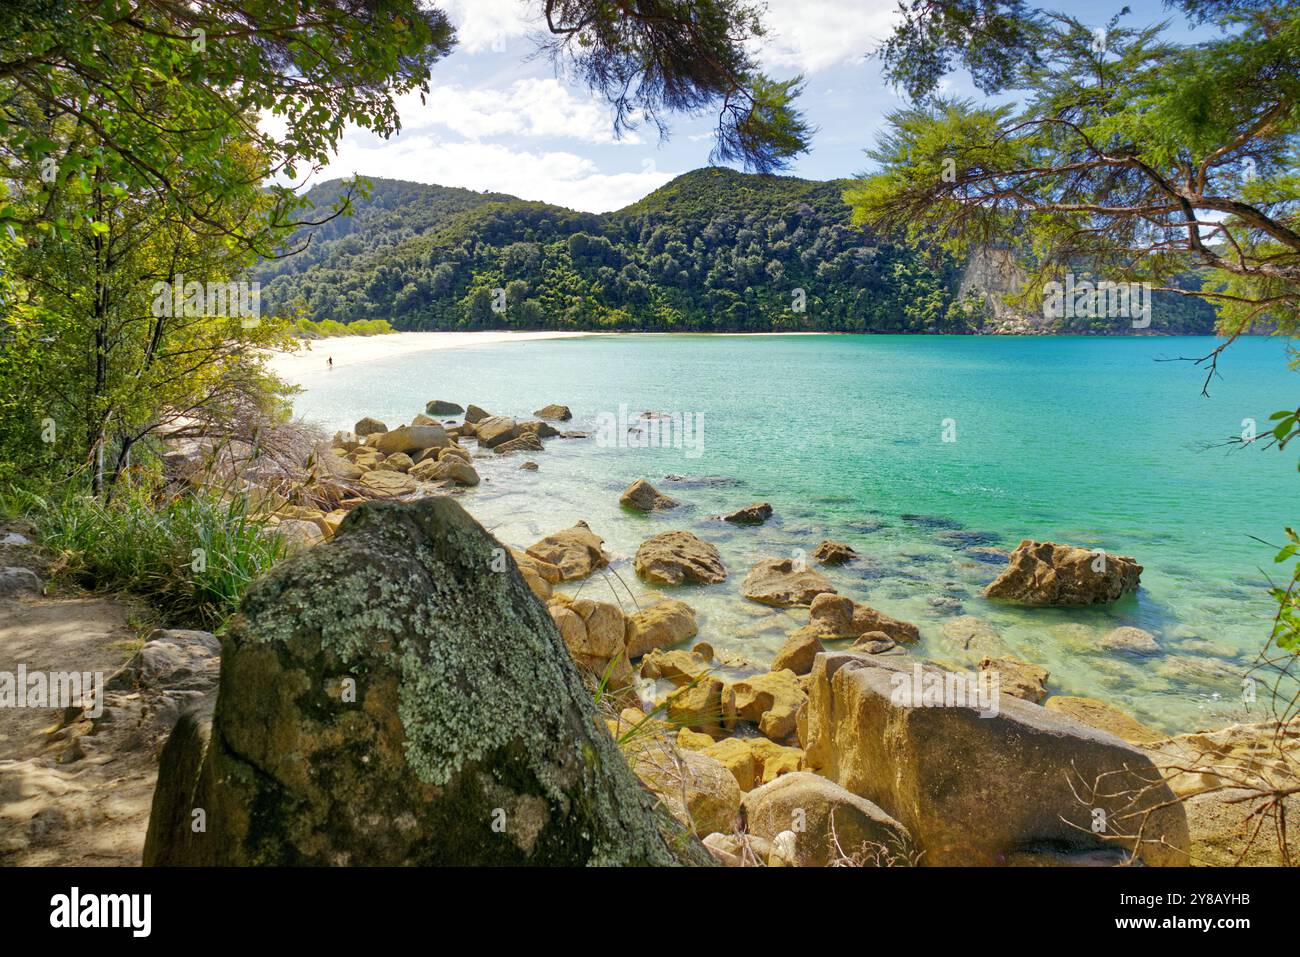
pixel 976 786
pixel 398 696
pixel 1046 573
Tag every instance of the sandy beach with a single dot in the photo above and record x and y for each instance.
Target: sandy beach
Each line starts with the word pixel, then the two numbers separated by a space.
pixel 313 354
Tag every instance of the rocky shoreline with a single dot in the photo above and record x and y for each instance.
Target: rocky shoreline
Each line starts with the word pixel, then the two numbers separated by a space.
pixel 846 748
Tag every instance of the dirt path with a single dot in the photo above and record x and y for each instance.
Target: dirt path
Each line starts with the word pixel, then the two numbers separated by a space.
pixel 78 794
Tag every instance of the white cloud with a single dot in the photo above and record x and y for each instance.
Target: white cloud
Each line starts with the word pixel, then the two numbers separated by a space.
pixel 554 176
pixel 489 24
pixel 538 106
pixel 805 36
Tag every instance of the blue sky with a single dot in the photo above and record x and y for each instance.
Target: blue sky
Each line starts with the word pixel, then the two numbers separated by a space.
pixel 498 118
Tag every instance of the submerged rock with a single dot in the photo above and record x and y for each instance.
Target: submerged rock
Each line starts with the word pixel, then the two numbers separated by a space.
pixel 678 558
pixel 389 699
pixel 1045 573
pixel 1019 678
pixel 559 413
pixel 973 636
pixel 442 407
pixel 831 552
pixel 1128 638
pixel 644 497
pixel 755 514
pixel 784 583
pixel 1099 714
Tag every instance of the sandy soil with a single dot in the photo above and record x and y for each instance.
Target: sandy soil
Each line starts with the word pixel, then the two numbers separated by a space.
pixel 351 350
pixel 65 798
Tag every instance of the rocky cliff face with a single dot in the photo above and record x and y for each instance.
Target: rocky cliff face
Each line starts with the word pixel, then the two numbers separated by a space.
pixel 399 696
pixel 992 273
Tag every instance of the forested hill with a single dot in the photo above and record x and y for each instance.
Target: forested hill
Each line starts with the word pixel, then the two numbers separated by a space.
pixel 713 250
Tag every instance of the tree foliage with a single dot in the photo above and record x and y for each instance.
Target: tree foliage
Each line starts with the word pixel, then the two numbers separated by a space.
pixel 712 250
pixel 1135 155
pixel 651 57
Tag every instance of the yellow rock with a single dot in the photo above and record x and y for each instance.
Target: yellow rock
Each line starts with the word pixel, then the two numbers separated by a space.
pixel 737 756
pixel 332 520
pixel 679 666
pixel 695 788
pixel 776 759
pixel 661 625
pixel 388 484
pixel 544 570
pixel 1020 678
pixel 1101 715
pixel 539 585
pixel 366 458
pixel 799 650
pixel 771 700
pixel 689 740
pixel 397 462
pixel 753 761
pixel 593 633
pixel 697 706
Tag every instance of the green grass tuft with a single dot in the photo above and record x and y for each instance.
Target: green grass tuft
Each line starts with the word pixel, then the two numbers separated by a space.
pixel 191 556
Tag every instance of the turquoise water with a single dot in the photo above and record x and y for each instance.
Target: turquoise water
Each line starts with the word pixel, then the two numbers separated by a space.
pixel 1083 440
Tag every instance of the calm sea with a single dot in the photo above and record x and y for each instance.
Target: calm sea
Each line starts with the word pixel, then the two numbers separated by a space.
pixel 918 451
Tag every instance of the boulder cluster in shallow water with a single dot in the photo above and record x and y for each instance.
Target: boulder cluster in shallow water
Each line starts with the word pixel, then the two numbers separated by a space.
pixel 419 601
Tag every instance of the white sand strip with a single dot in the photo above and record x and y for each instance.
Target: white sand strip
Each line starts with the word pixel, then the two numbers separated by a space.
pixel 352 350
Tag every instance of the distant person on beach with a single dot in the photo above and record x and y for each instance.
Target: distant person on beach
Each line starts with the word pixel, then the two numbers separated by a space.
pixel 331 361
